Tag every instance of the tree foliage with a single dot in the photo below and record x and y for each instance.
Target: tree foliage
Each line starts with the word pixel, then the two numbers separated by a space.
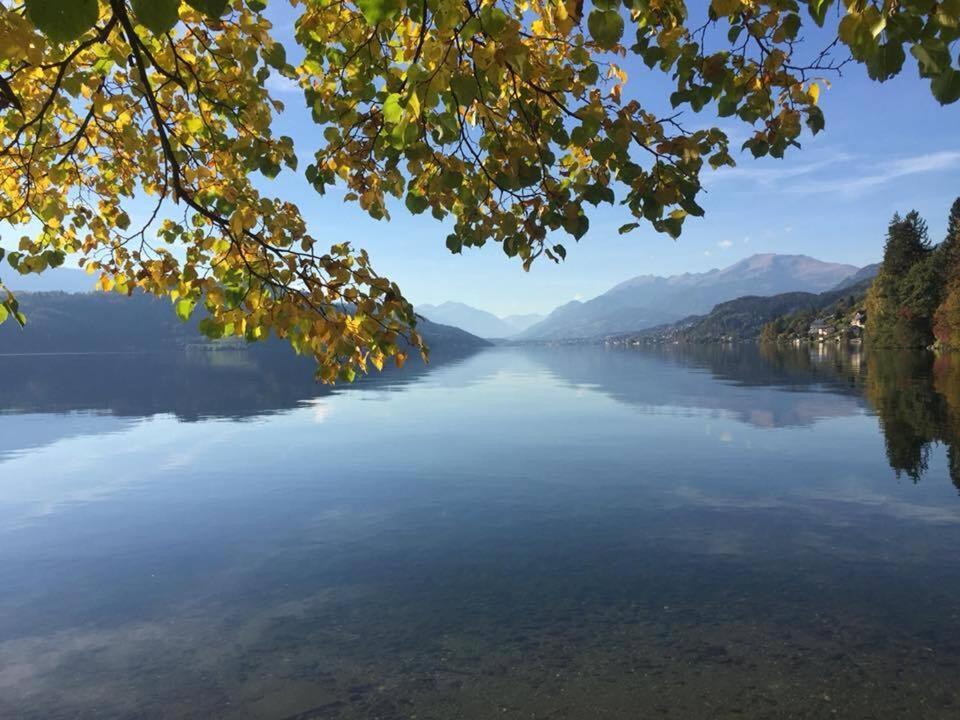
pixel 946 321
pixel 509 116
pixel 901 302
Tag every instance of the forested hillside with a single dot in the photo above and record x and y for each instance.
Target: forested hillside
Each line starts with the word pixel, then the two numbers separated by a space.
pixel 914 300
pixel 745 318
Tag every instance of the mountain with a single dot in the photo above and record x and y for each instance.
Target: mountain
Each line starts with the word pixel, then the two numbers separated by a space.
pixel 649 300
pixel 867 272
pixel 473 320
pixel 68 280
pixel 743 318
pixel 519 323
pixel 101 322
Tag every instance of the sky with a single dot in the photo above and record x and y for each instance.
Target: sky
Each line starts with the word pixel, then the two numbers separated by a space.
pixel 886 147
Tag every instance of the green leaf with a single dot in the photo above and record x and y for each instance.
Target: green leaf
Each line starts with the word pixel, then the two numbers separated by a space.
pixel 590 74
pixel 493 20
pixel 606 28
pixel 211 8
pixel 268 167
pixel 577 225
pixel 452 179
pixel 933 59
pixel 465 88
pixel 727 106
pixel 54 258
pixel 416 203
pixel 184 308
pixel 158 16
pixel 672 226
pixel 62 20
pixel 818 10
pixel 4 314
pixel 454 244
pixel 946 87
pixel 815 119
pixel 886 62
pixel 602 150
pixel 276 56
pixel 376 10
pixel 392 112
pixel 624 229
pixel 211 328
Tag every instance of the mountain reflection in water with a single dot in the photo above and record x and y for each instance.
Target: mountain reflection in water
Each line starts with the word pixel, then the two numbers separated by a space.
pixel 526 532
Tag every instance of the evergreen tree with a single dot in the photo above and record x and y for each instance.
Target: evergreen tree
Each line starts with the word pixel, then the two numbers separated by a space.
pixel 946 321
pixel 902 299
pixel 953 223
pixel 907 243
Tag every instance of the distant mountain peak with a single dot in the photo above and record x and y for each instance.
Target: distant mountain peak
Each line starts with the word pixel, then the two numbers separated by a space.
pixel 648 300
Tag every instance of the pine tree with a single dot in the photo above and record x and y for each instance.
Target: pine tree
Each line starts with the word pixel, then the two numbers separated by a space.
pixel 902 299
pixel 946 319
pixel 953 223
pixel 907 243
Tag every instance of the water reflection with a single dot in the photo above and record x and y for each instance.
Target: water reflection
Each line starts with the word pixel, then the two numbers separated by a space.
pixel 189 385
pixel 764 387
pixel 917 399
pixel 915 395
pixel 536 533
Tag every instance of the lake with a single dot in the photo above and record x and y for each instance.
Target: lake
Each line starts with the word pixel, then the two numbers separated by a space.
pixel 526 532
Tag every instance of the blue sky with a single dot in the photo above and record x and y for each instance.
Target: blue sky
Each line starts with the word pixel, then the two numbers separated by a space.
pixel 886 147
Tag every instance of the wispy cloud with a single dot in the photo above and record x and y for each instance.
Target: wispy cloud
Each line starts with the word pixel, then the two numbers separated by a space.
pixel 724 244
pixel 835 174
pixel 776 174
pixel 882 173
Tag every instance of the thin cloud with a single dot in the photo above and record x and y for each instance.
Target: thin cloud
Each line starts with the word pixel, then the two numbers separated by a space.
pixel 882 173
pixel 725 244
pixel 774 175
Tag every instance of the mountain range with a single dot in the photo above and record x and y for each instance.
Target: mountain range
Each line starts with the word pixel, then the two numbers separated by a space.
pixel 743 318
pixel 650 300
pixel 478 322
pixel 59 322
pixel 640 303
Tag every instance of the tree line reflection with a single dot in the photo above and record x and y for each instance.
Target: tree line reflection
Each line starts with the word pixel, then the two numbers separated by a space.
pixel 915 395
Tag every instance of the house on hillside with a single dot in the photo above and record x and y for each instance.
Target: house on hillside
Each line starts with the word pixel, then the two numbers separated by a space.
pixel 821 329
pixel 859 319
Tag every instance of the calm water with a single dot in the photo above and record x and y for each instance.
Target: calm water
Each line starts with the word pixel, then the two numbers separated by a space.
pixel 522 533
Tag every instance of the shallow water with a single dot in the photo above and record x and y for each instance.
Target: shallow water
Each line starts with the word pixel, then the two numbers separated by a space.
pixel 526 533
